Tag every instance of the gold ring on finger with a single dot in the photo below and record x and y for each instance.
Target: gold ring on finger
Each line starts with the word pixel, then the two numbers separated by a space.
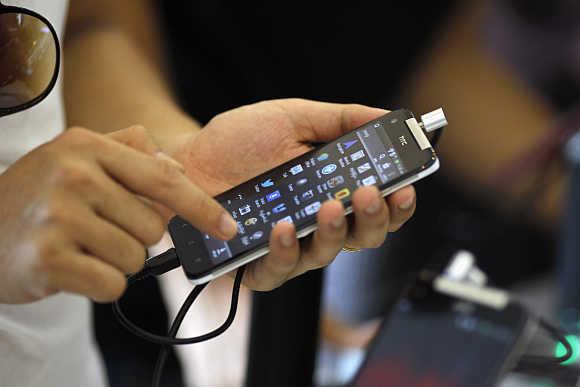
pixel 349 249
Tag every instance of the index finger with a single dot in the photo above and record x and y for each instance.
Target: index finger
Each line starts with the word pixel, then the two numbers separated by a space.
pixel 163 181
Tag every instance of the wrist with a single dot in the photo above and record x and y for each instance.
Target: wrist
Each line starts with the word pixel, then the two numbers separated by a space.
pixel 172 131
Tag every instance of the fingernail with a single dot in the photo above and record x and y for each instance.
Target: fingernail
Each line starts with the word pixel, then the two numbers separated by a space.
pixel 164 156
pixel 286 240
pixel 406 205
pixel 227 227
pixel 374 207
pixel 337 222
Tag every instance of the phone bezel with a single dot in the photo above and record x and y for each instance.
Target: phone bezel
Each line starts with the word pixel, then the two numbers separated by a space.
pixel 194 257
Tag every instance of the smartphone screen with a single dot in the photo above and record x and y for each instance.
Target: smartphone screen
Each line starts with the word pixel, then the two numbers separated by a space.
pixel 374 154
pixel 295 194
pixel 442 342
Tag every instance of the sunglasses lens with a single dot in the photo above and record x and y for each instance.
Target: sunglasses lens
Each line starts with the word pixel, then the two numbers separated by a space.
pixel 27 58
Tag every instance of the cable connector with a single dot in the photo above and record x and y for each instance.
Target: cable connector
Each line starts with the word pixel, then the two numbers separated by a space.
pixel 157 265
pixel 434 120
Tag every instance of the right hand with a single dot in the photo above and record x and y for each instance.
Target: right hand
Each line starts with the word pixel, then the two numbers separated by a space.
pixel 71 219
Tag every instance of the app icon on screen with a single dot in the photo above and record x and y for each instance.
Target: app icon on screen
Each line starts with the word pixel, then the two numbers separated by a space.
pixel 312 208
pixel 327 170
pixel 308 195
pixel 216 253
pixel 348 144
pixel 245 209
pixel 273 196
pixel 369 180
pixel 250 221
pixel 279 208
pixel 357 155
pixel 343 193
pixel 267 183
pixel 335 181
pixel 286 219
pixel 363 168
pixel 257 235
pixel 296 169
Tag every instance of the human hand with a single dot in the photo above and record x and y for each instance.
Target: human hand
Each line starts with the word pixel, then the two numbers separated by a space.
pixel 245 142
pixel 71 220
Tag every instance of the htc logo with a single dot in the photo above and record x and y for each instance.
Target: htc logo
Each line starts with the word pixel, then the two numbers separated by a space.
pixel 403 140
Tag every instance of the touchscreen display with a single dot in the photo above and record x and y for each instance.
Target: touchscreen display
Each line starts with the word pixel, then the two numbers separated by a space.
pixel 295 193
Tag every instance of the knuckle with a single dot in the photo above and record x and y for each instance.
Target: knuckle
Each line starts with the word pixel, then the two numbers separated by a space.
pixel 139 131
pixel 72 175
pixel 375 242
pixel 57 213
pixel 366 239
pixel 154 232
pixel 167 174
pixel 109 289
pixel 47 256
pixel 395 226
pixel 204 205
pixel 134 257
pixel 335 236
pixel 78 137
pixel 138 137
pixel 320 261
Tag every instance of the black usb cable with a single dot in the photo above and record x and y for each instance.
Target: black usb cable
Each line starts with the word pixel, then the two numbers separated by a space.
pixel 156 266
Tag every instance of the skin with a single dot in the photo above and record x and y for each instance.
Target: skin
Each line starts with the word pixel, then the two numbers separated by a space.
pixel 127 83
pixel 73 217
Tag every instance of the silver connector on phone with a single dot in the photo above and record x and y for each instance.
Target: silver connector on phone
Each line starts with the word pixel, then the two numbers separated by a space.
pixel 433 120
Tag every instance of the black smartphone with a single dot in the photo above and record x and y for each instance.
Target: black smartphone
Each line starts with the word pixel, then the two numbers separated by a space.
pixel 389 152
pixel 436 340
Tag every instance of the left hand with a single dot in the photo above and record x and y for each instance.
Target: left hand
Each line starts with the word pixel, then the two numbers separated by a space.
pixel 242 143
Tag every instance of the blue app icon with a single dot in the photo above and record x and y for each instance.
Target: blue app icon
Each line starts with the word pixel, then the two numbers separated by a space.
pixel 273 196
pixel 327 170
pixel 348 144
pixel 279 208
pixel 267 183
pixel 308 195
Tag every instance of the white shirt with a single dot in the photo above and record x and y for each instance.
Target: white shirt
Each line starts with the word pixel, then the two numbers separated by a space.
pixel 48 343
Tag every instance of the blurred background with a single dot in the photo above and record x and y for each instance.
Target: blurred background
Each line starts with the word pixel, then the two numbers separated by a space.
pixel 507 73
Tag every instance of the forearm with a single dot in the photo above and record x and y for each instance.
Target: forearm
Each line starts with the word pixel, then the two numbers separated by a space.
pixel 112 81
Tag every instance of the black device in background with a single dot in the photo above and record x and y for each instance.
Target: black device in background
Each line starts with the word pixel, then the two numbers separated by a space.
pixel 434 340
pixel 569 264
pixel 389 152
